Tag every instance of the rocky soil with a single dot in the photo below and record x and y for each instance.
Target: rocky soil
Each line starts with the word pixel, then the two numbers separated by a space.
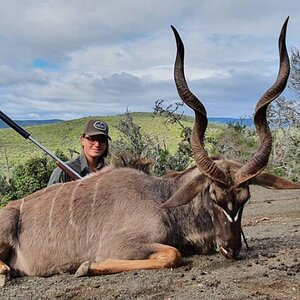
pixel 270 269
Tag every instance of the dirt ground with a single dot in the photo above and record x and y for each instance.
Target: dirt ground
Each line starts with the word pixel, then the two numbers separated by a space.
pixel 269 270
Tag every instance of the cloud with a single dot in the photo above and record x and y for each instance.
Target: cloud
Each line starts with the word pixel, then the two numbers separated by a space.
pixel 69 59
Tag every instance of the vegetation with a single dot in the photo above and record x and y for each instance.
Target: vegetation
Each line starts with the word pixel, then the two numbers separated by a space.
pixel 284 117
pixel 133 143
pixel 162 139
pixel 64 136
pixel 24 168
pixel 31 176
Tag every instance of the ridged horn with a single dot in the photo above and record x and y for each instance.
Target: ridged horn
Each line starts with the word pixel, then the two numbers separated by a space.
pixel 260 159
pixel 204 163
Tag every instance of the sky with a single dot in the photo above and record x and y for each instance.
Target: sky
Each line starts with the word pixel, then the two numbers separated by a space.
pixel 72 59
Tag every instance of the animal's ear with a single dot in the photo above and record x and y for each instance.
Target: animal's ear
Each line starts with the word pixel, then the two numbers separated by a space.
pixel 272 181
pixel 186 193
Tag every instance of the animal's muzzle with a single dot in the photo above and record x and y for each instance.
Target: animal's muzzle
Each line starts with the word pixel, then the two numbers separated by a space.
pixel 229 252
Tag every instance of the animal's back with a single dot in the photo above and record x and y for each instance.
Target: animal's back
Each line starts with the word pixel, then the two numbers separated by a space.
pixel 103 216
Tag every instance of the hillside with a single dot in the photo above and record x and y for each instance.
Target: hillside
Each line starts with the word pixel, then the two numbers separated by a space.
pixel 65 135
pixel 26 123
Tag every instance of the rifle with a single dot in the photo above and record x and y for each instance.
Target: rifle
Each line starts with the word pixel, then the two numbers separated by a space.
pixel 67 169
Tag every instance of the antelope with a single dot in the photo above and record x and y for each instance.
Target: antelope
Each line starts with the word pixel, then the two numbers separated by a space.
pixel 124 219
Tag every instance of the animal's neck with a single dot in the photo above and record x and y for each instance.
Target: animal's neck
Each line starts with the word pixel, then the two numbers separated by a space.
pixel 192 225
pixel 170 183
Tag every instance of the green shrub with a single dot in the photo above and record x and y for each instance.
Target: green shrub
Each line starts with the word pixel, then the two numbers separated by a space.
pixel 133 144
pixel 5 189
pixel 30 177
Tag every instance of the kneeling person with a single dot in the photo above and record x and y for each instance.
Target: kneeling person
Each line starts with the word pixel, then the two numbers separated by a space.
pixel 94 142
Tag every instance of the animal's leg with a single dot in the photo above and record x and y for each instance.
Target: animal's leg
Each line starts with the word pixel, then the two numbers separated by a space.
pixel 4 273
pixel 163 257
pixel 9 218
pixel 4 252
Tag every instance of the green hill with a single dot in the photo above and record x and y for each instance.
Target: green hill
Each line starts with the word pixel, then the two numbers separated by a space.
pixel 14 149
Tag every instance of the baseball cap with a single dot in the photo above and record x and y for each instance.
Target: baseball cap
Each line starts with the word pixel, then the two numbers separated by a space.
pixel 96 127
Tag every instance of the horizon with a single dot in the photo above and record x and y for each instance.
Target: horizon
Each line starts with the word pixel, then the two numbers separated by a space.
pixel 36 122
pixel 119 114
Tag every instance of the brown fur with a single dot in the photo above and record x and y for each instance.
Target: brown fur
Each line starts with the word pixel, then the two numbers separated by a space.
pixel 114 215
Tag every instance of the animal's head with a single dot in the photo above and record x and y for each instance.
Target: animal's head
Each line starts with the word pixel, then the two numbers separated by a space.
pixel 226 183
pixel 227 204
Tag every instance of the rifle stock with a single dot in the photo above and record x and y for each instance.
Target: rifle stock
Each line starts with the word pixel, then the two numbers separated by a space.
pixel 67 171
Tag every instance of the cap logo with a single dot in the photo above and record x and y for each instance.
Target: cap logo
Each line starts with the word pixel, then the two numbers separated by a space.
pixel 100 125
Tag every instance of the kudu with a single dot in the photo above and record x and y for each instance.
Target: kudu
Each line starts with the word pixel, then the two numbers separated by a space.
pixel 126 220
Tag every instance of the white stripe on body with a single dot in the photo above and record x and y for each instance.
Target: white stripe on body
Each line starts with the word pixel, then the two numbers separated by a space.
pixel 72 222
pixel 53 204
pixel 92 210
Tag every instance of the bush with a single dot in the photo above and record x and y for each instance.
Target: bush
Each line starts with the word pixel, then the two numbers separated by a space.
pixel 237 142
pixel 133 145
pixel 30 177
pixel 284 118
pixel 5 189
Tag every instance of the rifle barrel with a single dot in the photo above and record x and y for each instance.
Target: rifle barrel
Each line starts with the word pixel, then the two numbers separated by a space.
pixel 14 125
pixel 66 168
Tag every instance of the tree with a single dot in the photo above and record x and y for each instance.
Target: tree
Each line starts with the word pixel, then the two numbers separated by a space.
pixel 237 142
pixel 133 145
pixel 294 80
pixel 183 156
pixel 284 117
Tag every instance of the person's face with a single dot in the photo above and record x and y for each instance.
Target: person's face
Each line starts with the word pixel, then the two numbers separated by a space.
pixel 94 146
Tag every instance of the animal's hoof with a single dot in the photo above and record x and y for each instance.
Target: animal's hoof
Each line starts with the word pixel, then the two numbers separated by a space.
pixel 3 280
pixel 83 269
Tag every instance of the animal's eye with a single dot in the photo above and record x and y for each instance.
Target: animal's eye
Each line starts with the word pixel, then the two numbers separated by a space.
pixel 242 195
